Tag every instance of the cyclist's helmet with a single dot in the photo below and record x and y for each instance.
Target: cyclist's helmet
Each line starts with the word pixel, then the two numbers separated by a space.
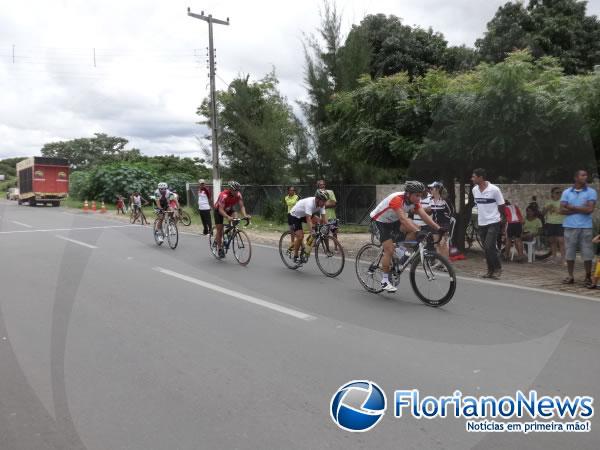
pixel 437 185
pixel 162 186
pixel 234 185
pixel 414 187
pixel 173 196
pixel 321 194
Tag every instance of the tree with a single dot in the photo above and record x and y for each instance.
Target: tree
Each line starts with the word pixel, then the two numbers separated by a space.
pixel 512 118
pixel 85 152
pixel 558 28
pixel 257 128
pixel 460 59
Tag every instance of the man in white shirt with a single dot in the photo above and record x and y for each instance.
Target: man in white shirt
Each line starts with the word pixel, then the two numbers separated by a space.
pixel 302 212
pixel 490 210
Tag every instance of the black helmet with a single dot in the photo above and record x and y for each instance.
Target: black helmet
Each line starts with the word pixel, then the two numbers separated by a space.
pixel 414 187
pixel 321 194
pixel 234 185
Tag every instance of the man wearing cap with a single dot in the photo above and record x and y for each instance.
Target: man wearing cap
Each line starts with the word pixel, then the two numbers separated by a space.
pixel 205 206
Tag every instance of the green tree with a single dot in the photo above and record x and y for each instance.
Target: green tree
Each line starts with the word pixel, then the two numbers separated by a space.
pixel 558 28
pixel 85 152
pixel 256 129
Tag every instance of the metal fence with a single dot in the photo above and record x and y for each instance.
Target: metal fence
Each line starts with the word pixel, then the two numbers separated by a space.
pixel 354 202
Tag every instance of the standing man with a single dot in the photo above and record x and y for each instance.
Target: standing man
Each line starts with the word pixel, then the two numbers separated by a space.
pixel 205 205
pixel 290 201
pixel 577 203
pixel 331 200
pixel 490 211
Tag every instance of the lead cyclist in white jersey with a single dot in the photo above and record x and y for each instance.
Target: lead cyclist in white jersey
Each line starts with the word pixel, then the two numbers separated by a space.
pixel 391 219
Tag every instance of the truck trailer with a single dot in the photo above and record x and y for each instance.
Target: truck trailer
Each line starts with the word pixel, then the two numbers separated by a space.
pixel 42 180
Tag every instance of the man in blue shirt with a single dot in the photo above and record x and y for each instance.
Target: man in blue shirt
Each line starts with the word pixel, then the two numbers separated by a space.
pixel 578 203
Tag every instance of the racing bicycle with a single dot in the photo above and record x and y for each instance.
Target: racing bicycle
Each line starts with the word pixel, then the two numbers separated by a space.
pixel 168 230
pixel 432 277
pixel 235 239
pixel 184 217
pixel 329 253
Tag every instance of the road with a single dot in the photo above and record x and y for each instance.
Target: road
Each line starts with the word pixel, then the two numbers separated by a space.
pixel 109 342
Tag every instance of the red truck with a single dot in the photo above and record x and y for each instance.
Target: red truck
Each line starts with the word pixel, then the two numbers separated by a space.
pixel 43 180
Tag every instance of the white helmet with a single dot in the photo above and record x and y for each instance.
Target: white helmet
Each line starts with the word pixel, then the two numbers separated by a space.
pixel 163 185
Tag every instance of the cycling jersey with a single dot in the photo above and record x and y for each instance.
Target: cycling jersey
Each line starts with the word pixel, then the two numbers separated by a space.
pixel 163 198
pixel 228 199
pixel 306 207
pixel 385 212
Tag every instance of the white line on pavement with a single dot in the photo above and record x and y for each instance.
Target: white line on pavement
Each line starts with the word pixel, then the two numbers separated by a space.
pixel 526 288
pixel 238 295
pixel 21 223
pixel 75 241
pixel 66 229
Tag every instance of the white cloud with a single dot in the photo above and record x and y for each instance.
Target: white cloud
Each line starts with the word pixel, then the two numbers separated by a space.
pixel 147 83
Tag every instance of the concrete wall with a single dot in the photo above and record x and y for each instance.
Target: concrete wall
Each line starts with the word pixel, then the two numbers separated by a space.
pixel 519 194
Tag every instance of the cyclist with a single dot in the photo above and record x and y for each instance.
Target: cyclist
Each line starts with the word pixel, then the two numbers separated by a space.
pixel 302 212
pixel 391 219
pixel 174 204
pixel 226 201
pixel 161 199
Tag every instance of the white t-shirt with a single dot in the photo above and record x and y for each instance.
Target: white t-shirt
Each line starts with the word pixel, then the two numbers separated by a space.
pixel 425 203
pixel 306 207
pixel 203 202
pixel 488 202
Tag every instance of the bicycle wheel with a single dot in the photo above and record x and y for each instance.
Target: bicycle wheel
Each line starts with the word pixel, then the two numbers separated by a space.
pixel 242 248
pixel 469 236
pixel 374 234
pixel 368 267
pixel 185 219
pixel 172 233
pixel 433 280
pixel 330 257
pixel 287 255
pixel 157 232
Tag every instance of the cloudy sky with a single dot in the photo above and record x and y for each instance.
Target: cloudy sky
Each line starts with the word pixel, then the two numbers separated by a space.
pixel 149 73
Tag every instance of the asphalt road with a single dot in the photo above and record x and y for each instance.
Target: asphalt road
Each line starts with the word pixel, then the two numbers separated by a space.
pixel 109 342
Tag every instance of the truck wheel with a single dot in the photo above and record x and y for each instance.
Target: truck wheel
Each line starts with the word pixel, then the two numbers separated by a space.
pixel 19 202
pixel 55 204
pixel 32 203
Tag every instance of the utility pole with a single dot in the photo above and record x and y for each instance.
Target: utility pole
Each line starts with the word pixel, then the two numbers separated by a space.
pixel 213 100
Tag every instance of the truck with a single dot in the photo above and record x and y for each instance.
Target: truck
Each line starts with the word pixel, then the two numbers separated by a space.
pixel 12 194
pixel 42 180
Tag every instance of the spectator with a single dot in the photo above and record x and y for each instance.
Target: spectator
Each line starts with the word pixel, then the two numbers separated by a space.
pixel 577 203
pixel 426 205
pixel 331 201
pixel 554 226
pixel 120 205
pixel 290 200
pixel 490 209
pixel 532 227
pixel 514 230
pixel 594 284
pixel 205 205
pixel 441 213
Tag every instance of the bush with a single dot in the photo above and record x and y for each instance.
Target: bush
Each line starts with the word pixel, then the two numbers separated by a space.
pixel 275 210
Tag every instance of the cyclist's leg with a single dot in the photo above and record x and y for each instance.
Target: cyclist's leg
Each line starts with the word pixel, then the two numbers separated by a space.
pixel 299 234
pixel 291 228
pixel 219 228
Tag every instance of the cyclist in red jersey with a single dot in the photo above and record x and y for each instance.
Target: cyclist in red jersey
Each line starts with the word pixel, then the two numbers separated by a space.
pixel 391 219
pixel 226 201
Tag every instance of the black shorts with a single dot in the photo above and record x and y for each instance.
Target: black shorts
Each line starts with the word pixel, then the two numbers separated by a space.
pixel 295 223
pixel 554 230
pixel 219 219
pixel 514 230
pixel 389 231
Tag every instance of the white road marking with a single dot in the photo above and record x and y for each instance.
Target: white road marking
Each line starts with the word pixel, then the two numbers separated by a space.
pixel 66 229
pixel 75 241
pixel 21 223
pixel 526 288
pixel 238 295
